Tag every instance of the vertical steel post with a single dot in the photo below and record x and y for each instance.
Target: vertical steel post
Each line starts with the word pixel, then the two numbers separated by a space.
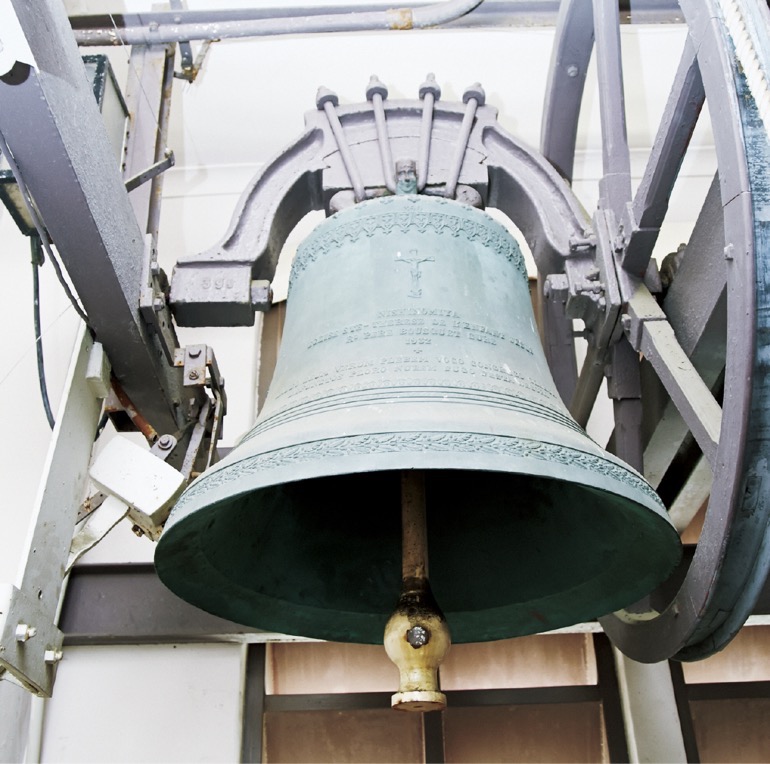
pixel 69 167
pixel 253 709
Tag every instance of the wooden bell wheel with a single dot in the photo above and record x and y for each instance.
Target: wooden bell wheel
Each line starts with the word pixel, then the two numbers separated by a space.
pixel 716 312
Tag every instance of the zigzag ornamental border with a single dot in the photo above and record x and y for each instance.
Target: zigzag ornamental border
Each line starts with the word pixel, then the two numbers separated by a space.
pixel 421 442
pixel 331 237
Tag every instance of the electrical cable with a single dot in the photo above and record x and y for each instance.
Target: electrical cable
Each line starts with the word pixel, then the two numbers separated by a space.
pixel 41 230
pixel 37 258
pixel 66 287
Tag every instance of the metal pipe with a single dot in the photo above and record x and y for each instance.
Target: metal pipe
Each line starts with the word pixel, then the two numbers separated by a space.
pixel 394 18
pixel 414 555
pixel 491 13
pixel 327 100
pixel 141 424
pixel 376 92
pixel 161 143
pixel 473 98
pixel 429 92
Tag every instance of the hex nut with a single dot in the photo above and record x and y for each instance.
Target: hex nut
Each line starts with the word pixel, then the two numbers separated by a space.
pixel 477 92
pixel 376 87
pixel 418 636
pixel 430 86
pixel 324 96
pixel 24 632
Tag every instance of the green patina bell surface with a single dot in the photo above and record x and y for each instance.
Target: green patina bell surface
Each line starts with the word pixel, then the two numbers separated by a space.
pixel 410 343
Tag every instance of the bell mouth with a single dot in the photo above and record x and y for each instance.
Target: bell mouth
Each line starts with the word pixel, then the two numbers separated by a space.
pixel 510 554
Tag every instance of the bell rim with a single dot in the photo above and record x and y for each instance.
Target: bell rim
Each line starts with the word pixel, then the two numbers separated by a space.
pixel 184 532
pixel 273 613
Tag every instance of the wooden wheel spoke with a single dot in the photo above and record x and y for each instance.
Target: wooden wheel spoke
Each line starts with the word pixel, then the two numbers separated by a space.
pixel 696 308
pixel 689 393
pixel 706 334
pixel 650 203
pixel 615 185
pixel 566 80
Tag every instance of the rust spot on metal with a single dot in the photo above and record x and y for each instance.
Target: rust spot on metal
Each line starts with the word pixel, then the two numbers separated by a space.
pixel 401 18
pixel 138 420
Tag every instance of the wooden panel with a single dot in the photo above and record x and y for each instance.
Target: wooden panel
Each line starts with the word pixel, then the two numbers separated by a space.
pixel 745 659
pixel 343 736
pixel 548 733
pixel 543 660
pixel 327 667
pixel 732 730
pixel 272 332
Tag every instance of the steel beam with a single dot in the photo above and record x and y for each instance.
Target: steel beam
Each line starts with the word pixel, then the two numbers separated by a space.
pixel 612 710
pixel 30 658
pixel 127 604
pixel 491 13
pixel 252 723
pixel 650 711
pixel 148 97
pixel 14 722
pixel 70 169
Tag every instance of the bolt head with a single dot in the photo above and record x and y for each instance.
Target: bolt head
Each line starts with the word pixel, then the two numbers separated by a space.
pixel 477 92
pixel 24 632
pixel 324 95
pixel 417 636
pixel 430 86
pixel 193 374
pixel 52 656
pixel 376 87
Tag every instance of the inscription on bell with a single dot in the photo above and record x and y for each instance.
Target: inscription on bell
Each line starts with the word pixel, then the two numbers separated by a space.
pixel 419 327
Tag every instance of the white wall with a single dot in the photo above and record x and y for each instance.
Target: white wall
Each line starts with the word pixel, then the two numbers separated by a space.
pixel 245 106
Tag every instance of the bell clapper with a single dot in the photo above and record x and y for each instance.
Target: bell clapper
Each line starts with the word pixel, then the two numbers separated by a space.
pixel 416 635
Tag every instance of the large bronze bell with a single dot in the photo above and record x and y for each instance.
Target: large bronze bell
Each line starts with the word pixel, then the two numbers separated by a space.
pixel 410 344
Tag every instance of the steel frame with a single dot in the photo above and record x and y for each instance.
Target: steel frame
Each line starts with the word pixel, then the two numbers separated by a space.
pixel 599 271
pixel 514 179
pixel 30 639
pixel 185 25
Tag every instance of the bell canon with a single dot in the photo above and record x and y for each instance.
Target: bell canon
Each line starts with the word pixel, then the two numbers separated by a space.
pixel 410 344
